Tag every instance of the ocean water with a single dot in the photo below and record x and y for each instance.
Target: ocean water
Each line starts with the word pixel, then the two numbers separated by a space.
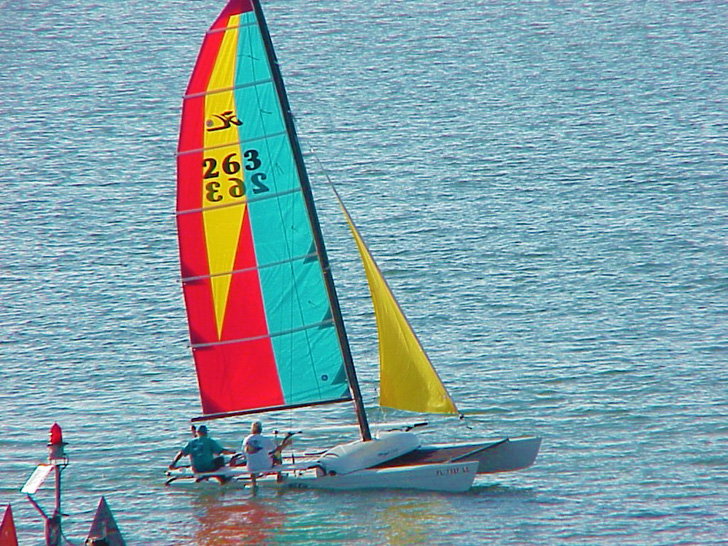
pixel 542 182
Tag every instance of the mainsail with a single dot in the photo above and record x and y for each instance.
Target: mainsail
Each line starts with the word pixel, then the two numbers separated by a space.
pixel 265 326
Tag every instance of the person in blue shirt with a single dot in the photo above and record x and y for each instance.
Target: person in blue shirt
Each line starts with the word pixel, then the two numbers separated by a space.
pixel 204 452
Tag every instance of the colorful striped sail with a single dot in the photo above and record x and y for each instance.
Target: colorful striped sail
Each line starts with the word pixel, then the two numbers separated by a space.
pixel 264 324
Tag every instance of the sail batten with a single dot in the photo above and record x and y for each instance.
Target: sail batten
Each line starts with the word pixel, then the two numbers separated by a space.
pixel 321 324
pixel 310 256
pixel 231 27
pixel 227 89
pixel 240 203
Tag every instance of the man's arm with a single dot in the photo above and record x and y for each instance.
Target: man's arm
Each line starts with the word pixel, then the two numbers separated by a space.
pixel 222 450
pixel 176 458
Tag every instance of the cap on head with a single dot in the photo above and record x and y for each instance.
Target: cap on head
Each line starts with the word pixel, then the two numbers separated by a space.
pixel 257 427
pixel 202 430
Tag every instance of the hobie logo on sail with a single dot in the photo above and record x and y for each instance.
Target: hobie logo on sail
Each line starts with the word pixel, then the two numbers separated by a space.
pixel 224 121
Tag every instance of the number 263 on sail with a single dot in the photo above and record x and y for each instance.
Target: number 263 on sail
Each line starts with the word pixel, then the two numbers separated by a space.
pixel 230 166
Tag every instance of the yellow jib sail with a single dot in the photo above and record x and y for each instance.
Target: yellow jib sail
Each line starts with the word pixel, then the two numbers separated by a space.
pixel 407 379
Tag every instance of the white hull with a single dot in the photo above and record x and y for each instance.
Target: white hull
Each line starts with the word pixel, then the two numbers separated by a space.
pixel 444 477
pixel 346 458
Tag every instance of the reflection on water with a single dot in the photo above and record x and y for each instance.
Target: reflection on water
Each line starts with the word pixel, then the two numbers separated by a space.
pixel 412 521
pixel 312 517
pixel 354 518
pixel 224 521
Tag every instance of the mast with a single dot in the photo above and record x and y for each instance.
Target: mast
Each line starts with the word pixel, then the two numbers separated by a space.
pixel 316 228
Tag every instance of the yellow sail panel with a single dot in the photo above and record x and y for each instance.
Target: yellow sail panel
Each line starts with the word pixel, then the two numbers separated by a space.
pixel 407 379
pixel 222 174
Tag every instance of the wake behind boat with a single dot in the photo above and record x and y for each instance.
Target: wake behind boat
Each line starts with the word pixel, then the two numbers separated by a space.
pixel 266 328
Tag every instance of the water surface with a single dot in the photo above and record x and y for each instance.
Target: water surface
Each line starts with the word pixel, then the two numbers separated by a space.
pixel 543 183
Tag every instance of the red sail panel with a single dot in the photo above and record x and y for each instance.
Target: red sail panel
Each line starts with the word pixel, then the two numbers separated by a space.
pixel 225 385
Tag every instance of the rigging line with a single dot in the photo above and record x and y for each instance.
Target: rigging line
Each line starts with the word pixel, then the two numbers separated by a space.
pixel 326 174
pixel 254 268
pixel 323 168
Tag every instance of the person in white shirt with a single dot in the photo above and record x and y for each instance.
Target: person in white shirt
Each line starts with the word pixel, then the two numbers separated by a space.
pixel 259 451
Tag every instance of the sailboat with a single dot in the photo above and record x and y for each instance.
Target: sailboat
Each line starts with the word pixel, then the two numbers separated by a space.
pixel 266 328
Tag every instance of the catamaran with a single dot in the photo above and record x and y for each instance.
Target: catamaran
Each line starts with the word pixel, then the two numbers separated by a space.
pixel 266 328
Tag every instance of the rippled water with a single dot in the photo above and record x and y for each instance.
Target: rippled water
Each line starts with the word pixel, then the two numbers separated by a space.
pixel 544 184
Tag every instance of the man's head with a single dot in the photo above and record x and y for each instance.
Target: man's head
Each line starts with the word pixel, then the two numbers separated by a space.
pixel 202 431
pixel 256 428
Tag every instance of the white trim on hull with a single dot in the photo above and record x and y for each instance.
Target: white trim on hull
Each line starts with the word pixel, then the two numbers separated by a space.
pixel 446 477
pixel 443 477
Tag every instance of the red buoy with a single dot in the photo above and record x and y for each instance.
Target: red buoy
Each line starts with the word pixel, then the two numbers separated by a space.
pixel 56 435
